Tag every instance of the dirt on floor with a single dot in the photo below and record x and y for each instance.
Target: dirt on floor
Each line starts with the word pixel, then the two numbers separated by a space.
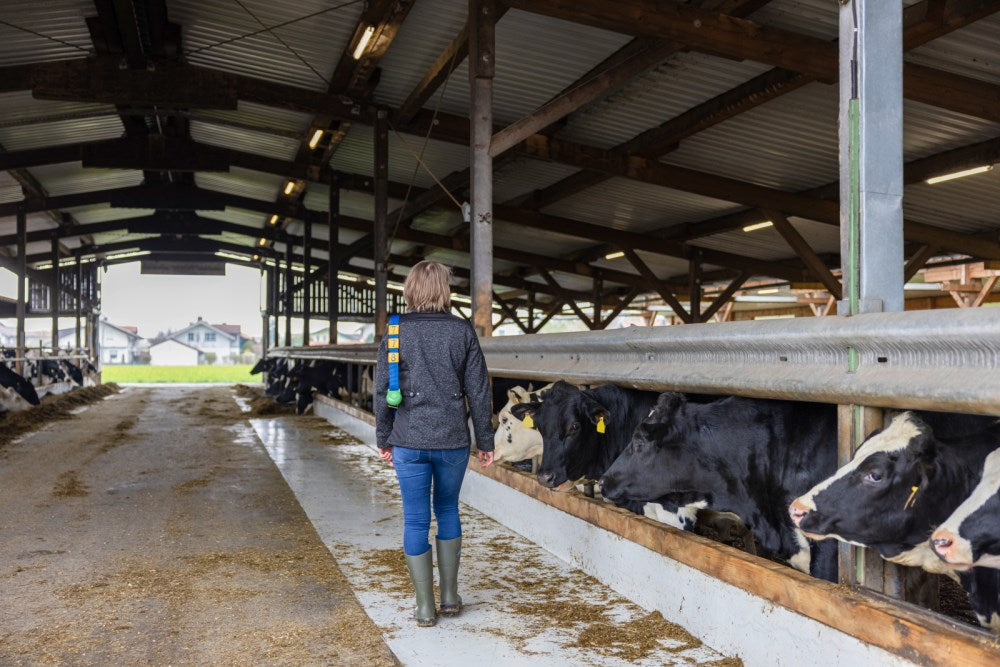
pixel 52 408
pixel 153 530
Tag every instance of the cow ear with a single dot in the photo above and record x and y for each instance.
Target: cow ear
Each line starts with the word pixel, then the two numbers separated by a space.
pixel 525 413
pixel 670 402
pixel 595 411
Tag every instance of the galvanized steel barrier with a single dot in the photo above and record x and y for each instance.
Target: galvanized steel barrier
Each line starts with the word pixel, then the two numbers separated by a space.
pixel 934 360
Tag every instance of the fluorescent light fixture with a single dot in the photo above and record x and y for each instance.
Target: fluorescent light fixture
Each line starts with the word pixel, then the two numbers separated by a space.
pixel 772 290
pixel 274 219
pixel 126 255
pixel 756 298
pixel 350 279
pixel 959 174
pixel 317 135
pixel 370 281
pixel 614 255
pixel 759 225
pixel 232 255
pixel 289 187
pixel 262 242
pixel 923 287
pixel 366 37
pixel 255 258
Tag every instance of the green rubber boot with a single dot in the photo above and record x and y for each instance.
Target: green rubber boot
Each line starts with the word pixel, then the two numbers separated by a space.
pixel 449 553
pixel 422 575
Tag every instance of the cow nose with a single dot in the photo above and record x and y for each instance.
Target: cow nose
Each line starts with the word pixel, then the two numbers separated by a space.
pixel 943 541
pixel 797 511
pixel 545 479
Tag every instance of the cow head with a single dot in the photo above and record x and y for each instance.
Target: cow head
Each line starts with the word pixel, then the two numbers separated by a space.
pixel 25 389
pixel 636 473
pixel 971 535
pixel 567 420
pixel 513 440
pixel 887 497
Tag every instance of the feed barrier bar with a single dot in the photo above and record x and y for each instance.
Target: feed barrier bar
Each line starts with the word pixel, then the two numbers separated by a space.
pixel 933 360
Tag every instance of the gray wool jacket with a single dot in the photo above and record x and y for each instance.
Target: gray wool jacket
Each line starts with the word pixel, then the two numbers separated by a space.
pixel 440 366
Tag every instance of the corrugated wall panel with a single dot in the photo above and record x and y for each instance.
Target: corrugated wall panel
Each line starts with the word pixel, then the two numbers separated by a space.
pixel 61 20
pixel 70 177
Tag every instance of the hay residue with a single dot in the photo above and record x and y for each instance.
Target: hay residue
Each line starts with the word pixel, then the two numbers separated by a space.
pixel 634 640
pixel 52 408
pixel 388 567
pixel 265 406
pixel 248 391
pixel 68 485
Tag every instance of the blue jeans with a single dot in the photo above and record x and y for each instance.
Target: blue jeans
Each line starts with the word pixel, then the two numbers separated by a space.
pixel 415 468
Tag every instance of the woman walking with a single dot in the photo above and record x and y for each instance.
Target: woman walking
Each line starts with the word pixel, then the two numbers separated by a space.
pixel 438 365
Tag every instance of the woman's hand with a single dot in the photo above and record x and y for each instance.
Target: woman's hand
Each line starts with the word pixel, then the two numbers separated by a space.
pixel 485 459
pixel 386 454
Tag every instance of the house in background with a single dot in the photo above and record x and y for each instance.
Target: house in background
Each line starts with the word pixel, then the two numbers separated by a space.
pixel 172 352
pixel 120 344
pixel 220 343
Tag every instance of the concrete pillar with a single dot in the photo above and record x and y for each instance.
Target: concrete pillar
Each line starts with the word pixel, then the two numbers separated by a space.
pixel 381 239
pixel 482 57
pixel 332 281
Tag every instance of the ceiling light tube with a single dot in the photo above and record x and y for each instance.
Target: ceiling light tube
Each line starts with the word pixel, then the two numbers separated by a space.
pixel 614 255
pixel 274 219
pixel 289 187
pixel 959 174
pixel 759 225
pixel 772 290
pixel 366 37
pixel 317 135
pixel 262 242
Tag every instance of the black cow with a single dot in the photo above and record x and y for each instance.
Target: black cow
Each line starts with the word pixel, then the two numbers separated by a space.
pixel 11 380
pixel 326 377
pixel 739 455
pixel 901 484
pixel 971 535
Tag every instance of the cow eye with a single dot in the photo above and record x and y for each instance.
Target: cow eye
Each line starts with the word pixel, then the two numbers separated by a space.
pixel 873 477
pixel 574 427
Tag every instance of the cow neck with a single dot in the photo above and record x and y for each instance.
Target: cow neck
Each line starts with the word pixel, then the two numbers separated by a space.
pixel 627 408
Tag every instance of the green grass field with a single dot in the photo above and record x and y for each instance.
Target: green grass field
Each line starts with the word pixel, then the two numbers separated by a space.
pixel 177 374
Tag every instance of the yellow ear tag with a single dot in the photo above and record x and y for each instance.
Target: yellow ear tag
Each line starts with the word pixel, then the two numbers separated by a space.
pixel 528 421
pixel 909 501
pixel 600 425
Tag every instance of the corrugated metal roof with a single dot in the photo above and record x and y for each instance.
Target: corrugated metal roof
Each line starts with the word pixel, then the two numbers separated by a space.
pixel 103 212
pixel 282 148
pixel 242 182
pixel 70 177
pixel 10 190
pixel 966 204
pixel 318 40
pixel 973 51
pixel 20 128
pixel 61 20
pixel 523 175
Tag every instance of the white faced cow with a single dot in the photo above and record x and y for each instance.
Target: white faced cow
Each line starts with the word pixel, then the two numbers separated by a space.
pixel 513 440
pixel 971 535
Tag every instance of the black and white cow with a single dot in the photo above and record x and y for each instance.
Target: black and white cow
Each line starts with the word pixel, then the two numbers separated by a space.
pixel 740 455
pixel 574 450
pixel 17 388
pixel 902 483
pixel 326 377
pixel 513 441
pixel 971 535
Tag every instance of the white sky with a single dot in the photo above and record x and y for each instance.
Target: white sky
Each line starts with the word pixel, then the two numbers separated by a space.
pixel 157 303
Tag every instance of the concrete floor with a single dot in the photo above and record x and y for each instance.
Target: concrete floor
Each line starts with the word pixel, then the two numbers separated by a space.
pixel 524 606
pixel 155 528
pixel 152 528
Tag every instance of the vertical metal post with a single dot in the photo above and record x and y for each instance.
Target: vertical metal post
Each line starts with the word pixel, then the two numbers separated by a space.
pixel 22 270
pixel 289 293
pixel 332 279
pixel 482 57
pixel 381 221
pixel 265 315
pixel 531 312
pixel 78 300
pixel 871 226
pixel 55 293
pixel 307 288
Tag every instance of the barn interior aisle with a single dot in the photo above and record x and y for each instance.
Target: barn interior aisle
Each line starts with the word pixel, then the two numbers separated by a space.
pixel 523 606
pixel 152 528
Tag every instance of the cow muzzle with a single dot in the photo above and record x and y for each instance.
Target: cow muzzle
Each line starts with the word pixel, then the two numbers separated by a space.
pixel 951 549
pixel 546 479
pixel 797 511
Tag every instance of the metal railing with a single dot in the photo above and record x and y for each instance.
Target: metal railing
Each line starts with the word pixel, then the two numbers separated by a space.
pixel 934 360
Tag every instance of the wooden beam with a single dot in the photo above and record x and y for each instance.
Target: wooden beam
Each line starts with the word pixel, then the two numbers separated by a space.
pixel 438 73
pixel 724 297
pixel 804 251
pixel 657 285
pixel 569 301
pixel 742 39
pixel 509 313
pixel 918 260
pixel 622 304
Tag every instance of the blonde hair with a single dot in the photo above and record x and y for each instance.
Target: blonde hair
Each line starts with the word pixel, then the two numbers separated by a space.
pixel 426 287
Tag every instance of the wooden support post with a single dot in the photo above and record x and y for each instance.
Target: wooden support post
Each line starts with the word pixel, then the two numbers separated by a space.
pixel 657 285
pixel 550 312
pixel 381 222
pixel 307 292
pixel 531 312
pixel 620 306
pixel 22 271
pixel 288 293
pixel 723 299
pixel 482 56
pixel 596 321
pixel 332 279
pixel 509 312
pixel 265 314
pixel 694 287
pixel 918 260
pixel 566 299
pixel 989 282
pixel 55 292
pixel 78 301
